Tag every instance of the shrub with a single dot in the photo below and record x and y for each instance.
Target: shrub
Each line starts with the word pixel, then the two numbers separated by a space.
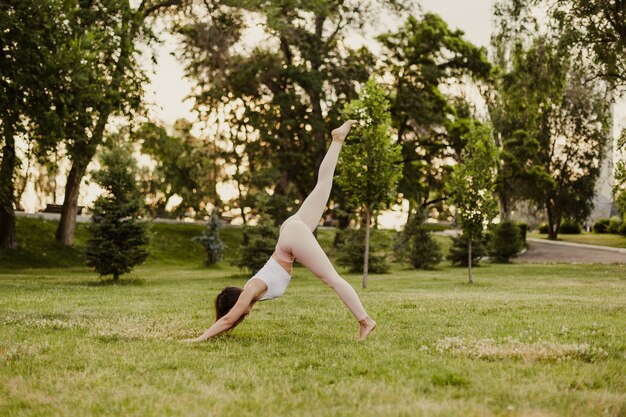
pixel 601 225
pixel 523 229
pixel 571 227
pixel 118 238
pixel 458 251
pixel 210 240
pixel 614 225
pixel 257 245
pixel 351 251
pixel 622 229
pixel 543 228
pixel 506 242
pixel 416 245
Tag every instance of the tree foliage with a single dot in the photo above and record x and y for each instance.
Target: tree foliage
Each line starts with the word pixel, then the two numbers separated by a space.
pixel 186 166
pixel 278 98
pixel 29 67
pixel 118 237
pixel 422 58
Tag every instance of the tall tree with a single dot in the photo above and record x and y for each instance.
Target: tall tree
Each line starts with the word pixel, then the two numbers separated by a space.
pixel 425 57
pixel 281 95
pixel 107 80
pixel 370 166
pixel 29 69
pixel 472 183
pixel 553 125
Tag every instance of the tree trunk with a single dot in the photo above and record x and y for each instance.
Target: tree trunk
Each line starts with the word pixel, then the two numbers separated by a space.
pixel 116 277
pixel 8 236
pixel 552 227
pixel 367 246
pixel 469 259
pixel 67 224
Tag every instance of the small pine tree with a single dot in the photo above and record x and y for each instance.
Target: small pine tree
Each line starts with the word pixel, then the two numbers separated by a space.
pixel 118 238
pixel 459 251
pixel 416 245
pixel 210 240
pixel 506 242
pixel 351 253
pixel 257 245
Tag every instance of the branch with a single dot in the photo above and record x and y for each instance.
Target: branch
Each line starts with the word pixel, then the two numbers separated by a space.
pixel 158 6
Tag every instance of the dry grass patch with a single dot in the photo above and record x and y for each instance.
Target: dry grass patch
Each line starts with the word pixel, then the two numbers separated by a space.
pixel 510 348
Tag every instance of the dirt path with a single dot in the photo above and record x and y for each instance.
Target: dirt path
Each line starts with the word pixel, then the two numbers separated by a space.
pixel 548 252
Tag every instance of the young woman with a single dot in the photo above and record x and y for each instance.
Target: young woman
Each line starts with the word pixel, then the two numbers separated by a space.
pixel 295 241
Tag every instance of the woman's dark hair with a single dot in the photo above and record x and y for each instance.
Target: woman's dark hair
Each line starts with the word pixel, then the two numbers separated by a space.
pixel 226 300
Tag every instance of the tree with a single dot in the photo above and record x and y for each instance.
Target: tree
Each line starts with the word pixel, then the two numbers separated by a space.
pixel 370 165
pixel 186 167
pixel 118 236
pixel 416 244
pixel 106 80
pixel 593 30
pixel 29 66
pixel 210 240
pixel 553 123
pixel 277 99
pixel 472 185
pixel 505 242
pixel 423 58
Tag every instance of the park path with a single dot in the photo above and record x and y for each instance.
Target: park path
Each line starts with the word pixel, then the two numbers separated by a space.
pixel 542 251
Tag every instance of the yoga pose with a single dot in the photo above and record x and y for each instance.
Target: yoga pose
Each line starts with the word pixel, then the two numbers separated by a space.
pixel 295 241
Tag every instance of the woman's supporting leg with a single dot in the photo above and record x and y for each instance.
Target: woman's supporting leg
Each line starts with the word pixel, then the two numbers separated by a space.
pixel 313 206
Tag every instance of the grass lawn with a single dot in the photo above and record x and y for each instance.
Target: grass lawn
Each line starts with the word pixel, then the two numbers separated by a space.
pixel 602 239
pixel 525 340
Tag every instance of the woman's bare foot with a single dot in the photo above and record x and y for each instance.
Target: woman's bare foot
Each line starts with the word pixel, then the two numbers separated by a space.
pixel 339 134
pixel 367 325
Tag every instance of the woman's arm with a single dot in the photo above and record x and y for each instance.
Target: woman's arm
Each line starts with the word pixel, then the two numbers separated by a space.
pixel 241 308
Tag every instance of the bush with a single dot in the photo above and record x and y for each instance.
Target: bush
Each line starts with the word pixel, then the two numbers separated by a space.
pixel 458 250
pixel 543 228
pixel 506 242
pixel 416 246
pixel 352 250
pixel 571 227
pixel 622 229
pixel 210 239
pixel 118 238
pixel 614 225
pixel 601 226
pixel 523 230
pixel 257 245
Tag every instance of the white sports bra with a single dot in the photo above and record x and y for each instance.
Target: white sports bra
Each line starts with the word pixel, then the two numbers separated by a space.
pixel 275 277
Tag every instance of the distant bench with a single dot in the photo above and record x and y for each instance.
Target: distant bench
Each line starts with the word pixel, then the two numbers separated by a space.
pixel 58 208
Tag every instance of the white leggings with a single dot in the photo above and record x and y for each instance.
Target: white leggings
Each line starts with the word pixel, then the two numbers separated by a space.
pixel 296 235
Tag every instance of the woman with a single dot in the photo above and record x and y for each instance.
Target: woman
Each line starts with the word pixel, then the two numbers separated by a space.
pixel 295 241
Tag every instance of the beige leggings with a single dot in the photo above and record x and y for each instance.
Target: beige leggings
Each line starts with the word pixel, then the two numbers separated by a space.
pixel 296 235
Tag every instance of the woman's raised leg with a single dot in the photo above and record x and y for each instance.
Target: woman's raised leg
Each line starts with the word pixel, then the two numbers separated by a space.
pixel 313 206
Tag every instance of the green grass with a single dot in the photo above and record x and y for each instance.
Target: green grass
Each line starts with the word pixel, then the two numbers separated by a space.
pixel 601 239
pixel 525 340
